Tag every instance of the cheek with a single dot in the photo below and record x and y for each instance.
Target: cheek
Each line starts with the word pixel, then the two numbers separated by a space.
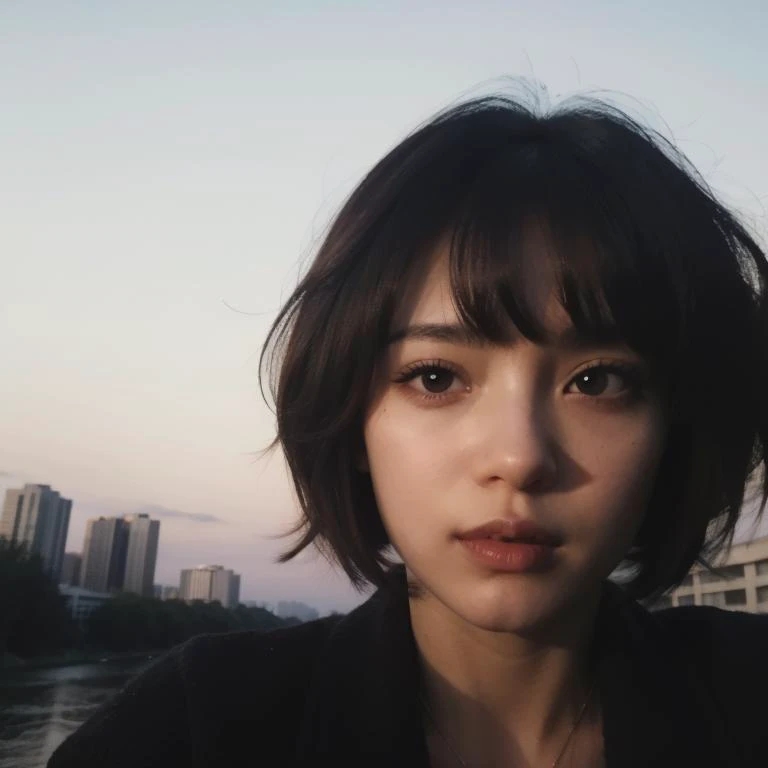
pixel 409 467
pixel 401 444
pixel 622 468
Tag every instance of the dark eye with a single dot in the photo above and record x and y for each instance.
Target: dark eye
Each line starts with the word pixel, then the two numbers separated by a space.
pixel 437 380
pixel 600 381
pixel 431 380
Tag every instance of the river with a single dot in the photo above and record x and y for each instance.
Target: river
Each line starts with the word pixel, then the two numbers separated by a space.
pixel 39 708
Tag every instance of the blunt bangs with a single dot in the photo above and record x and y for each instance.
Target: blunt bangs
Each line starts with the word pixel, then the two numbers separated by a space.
pixel 640 253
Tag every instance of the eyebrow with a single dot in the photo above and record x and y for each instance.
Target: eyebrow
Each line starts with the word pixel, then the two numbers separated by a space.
pixel 450 333
pixel 453 333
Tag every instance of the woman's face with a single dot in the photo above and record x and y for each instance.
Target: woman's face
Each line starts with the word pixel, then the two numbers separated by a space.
pixel 566 436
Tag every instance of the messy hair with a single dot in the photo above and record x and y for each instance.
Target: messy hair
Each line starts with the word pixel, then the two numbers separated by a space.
pixel 644 253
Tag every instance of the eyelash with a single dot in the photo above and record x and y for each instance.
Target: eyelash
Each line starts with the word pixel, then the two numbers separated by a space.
pixel 414 370
pixel 631 374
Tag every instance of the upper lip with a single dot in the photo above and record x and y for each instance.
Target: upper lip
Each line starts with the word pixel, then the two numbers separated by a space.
pixel 524 531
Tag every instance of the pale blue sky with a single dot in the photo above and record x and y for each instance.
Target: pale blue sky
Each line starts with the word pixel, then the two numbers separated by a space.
pixel 167 166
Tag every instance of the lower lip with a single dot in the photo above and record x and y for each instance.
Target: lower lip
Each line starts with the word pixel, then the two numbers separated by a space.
pixel 511 557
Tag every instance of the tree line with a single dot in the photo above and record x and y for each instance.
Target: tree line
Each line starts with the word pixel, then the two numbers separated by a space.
pixel 35 619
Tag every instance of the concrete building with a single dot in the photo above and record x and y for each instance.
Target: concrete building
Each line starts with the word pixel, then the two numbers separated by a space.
pixel 104 554
pixel 143 538
pixel 209 583
pixel 38 517
pixel 741 583
pixel 70 569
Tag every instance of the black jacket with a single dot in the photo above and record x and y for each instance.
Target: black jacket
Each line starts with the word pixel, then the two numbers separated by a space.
pixel 682 687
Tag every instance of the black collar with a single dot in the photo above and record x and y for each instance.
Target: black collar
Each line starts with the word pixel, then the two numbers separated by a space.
pixel 363 706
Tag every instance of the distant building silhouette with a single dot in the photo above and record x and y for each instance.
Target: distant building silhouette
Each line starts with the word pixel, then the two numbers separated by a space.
pixel 209 583
pixel 104 553
pixel 169 593
pixel 140 562
pixel 38 517
pixel 70 569
pixel 287 609
pixel 267 606
pixel 741 583
pixel 82 602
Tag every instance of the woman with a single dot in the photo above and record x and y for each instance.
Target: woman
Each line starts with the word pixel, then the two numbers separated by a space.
pixel 529 354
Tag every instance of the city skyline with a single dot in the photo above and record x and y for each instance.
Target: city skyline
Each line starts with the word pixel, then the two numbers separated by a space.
pixel 168 173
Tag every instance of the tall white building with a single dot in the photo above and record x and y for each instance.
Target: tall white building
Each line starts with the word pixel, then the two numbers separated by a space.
pixel 141 558
pixel 209 583
pixel 38 517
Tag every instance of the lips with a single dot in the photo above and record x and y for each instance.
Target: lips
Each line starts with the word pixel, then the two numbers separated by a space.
pixel 512 531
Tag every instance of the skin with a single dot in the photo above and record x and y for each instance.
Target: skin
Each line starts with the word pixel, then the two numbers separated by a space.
pixel 508 432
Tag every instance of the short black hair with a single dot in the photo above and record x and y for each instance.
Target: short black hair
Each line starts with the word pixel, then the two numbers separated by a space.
pixel 644 253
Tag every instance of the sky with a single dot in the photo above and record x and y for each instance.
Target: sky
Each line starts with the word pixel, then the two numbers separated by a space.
pixel 168 169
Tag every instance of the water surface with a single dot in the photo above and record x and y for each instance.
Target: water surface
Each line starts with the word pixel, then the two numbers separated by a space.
pixel 39 708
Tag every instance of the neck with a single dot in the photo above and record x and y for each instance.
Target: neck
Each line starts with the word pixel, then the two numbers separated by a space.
pixel 502 696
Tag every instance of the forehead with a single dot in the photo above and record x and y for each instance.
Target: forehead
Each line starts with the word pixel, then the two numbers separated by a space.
pixel 428 297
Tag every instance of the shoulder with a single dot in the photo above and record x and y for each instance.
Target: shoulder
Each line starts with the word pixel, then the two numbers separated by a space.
pixel 249 651
pixel 725 652
pixel 213 689
pixel 239 663
pixel 715 629
pixel 729 645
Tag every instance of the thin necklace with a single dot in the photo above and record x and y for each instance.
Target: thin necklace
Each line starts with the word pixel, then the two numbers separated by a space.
pixel 464 763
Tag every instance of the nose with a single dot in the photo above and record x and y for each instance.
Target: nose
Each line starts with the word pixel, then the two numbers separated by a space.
pixel 515 445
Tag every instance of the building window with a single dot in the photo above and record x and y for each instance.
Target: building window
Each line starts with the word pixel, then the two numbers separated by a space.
pixel 727 572
pixel 762 594
pixel 729 598
pixel 736 597
pixel 685 600
pixel 761 566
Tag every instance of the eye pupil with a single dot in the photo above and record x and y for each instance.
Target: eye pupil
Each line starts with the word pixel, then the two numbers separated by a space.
pixel 436 382
pixel 592 382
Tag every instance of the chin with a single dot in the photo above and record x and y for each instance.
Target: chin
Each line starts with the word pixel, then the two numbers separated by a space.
pixel 503 607
pixel 518 622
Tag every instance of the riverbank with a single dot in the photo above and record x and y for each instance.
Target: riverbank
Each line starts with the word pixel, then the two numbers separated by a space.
pixel 68 658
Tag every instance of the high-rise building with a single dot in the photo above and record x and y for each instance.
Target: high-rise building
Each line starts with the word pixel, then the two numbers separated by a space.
pixel 120 554
pixel 209 583
pixel 104 554
pixel 70 569
pixel 38 517
pixel 143 538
